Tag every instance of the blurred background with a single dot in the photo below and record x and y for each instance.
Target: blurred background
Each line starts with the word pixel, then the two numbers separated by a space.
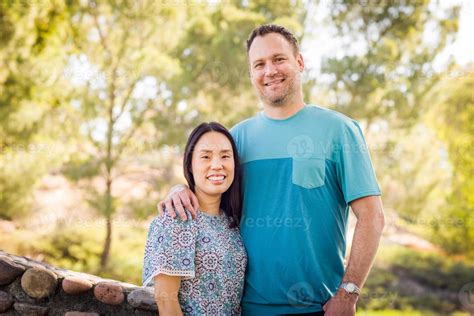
pixel 98 97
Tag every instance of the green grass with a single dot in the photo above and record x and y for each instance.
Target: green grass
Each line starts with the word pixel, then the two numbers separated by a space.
pixel 403 279
pixel 405 313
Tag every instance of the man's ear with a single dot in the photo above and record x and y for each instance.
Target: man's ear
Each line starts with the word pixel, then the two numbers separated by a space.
pixel 300 61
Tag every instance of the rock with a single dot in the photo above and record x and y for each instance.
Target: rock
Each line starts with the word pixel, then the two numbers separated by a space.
pixel 6 301
pixel 9 271
pixel 74 313
pixel 109 293
pixel 18 293
pixel 39 283
pixel 76 285
pixel 143 299
pixel 25 309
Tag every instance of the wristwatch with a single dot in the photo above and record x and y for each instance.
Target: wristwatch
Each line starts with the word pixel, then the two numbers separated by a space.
pixel 350 288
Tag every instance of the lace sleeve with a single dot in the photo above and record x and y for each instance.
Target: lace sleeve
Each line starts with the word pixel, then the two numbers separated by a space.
pixel 170 248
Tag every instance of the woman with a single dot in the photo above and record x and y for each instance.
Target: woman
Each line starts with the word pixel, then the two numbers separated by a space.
pixel 198 266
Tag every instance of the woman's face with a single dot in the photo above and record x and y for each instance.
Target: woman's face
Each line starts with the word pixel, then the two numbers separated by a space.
pixel 213 164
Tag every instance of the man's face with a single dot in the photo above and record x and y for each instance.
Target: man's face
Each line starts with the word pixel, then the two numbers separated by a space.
pixel 275 71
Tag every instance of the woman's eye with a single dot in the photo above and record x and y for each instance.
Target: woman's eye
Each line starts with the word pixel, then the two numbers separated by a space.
pixel 226 156
pixel 205 157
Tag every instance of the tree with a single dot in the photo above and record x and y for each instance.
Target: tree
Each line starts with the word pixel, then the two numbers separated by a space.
pixel 387 67
pixel 33 126
pixel 381 74
pixel 121 68
pixel 452 116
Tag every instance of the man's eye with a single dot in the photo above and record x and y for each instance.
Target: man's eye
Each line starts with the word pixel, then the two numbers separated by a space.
pixel 226 156
pixel 258 65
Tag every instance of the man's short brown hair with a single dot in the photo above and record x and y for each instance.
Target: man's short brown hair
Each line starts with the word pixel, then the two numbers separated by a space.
pixel 273 28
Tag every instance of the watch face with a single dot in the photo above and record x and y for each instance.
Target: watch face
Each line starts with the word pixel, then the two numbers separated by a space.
pixel 350 287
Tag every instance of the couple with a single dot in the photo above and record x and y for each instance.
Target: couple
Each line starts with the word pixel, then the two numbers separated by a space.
pixel 302 167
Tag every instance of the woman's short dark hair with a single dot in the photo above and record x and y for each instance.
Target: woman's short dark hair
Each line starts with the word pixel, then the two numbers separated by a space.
pixel 273 28
pixel 231 201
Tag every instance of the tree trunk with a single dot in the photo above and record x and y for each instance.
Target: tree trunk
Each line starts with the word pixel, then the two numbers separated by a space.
pixel 109 207
pixel 108 242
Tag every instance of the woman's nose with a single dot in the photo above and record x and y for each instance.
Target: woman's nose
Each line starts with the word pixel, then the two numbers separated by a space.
pixel 216 163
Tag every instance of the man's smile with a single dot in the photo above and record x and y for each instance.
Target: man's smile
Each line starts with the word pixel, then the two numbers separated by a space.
pixel 274 82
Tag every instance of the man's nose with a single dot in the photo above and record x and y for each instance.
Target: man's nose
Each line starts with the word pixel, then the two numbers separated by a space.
pixel 270 69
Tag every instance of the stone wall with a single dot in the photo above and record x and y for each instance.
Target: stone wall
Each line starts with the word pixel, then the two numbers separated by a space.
pixel 29 287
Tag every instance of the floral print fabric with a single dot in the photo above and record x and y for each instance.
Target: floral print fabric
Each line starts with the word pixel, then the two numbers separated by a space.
pixel 206 253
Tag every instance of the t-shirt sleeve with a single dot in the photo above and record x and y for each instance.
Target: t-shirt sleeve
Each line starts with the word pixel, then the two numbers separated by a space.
pixel 234 131
pixel 354 168
pixel 170 248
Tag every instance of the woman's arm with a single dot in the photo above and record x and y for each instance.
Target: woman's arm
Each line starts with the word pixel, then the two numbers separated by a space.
pixel 166 294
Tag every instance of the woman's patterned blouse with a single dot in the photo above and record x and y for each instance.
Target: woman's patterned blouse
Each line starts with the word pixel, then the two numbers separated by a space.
pixel 206 253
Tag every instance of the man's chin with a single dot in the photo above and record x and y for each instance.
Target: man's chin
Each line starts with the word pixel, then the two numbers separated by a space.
pixel 277 101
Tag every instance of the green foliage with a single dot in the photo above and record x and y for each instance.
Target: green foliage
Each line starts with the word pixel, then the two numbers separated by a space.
pixel 20 168
pixel 432 269
pixel 405 313
pixel 453 116
pixel 103 203
pixel 78 247
pixel 126 260
pixel 387 67
pixel 32 50
pixel 143 208
pixel 76 168
pixel 129 57
pixel 405 279
pixel 413 173
pixel 16 183
pixel 32 57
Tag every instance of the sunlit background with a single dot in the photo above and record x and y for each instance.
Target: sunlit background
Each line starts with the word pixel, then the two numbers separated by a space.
pixel 98 98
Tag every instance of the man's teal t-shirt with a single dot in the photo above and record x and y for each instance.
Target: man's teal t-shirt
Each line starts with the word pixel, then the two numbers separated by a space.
pixel 299 176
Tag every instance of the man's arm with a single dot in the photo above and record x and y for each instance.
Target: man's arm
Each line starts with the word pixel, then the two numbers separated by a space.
pixel 179 198
pixel 370 222
pixel 166 294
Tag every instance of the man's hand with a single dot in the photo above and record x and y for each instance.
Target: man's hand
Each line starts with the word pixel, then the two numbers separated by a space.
pixel 179 198
pixel 341 304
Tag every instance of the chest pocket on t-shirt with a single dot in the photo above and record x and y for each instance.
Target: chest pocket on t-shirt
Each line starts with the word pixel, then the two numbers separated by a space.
pixel 309 173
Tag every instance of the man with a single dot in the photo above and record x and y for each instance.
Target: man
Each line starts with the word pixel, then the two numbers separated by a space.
pixel 303 166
